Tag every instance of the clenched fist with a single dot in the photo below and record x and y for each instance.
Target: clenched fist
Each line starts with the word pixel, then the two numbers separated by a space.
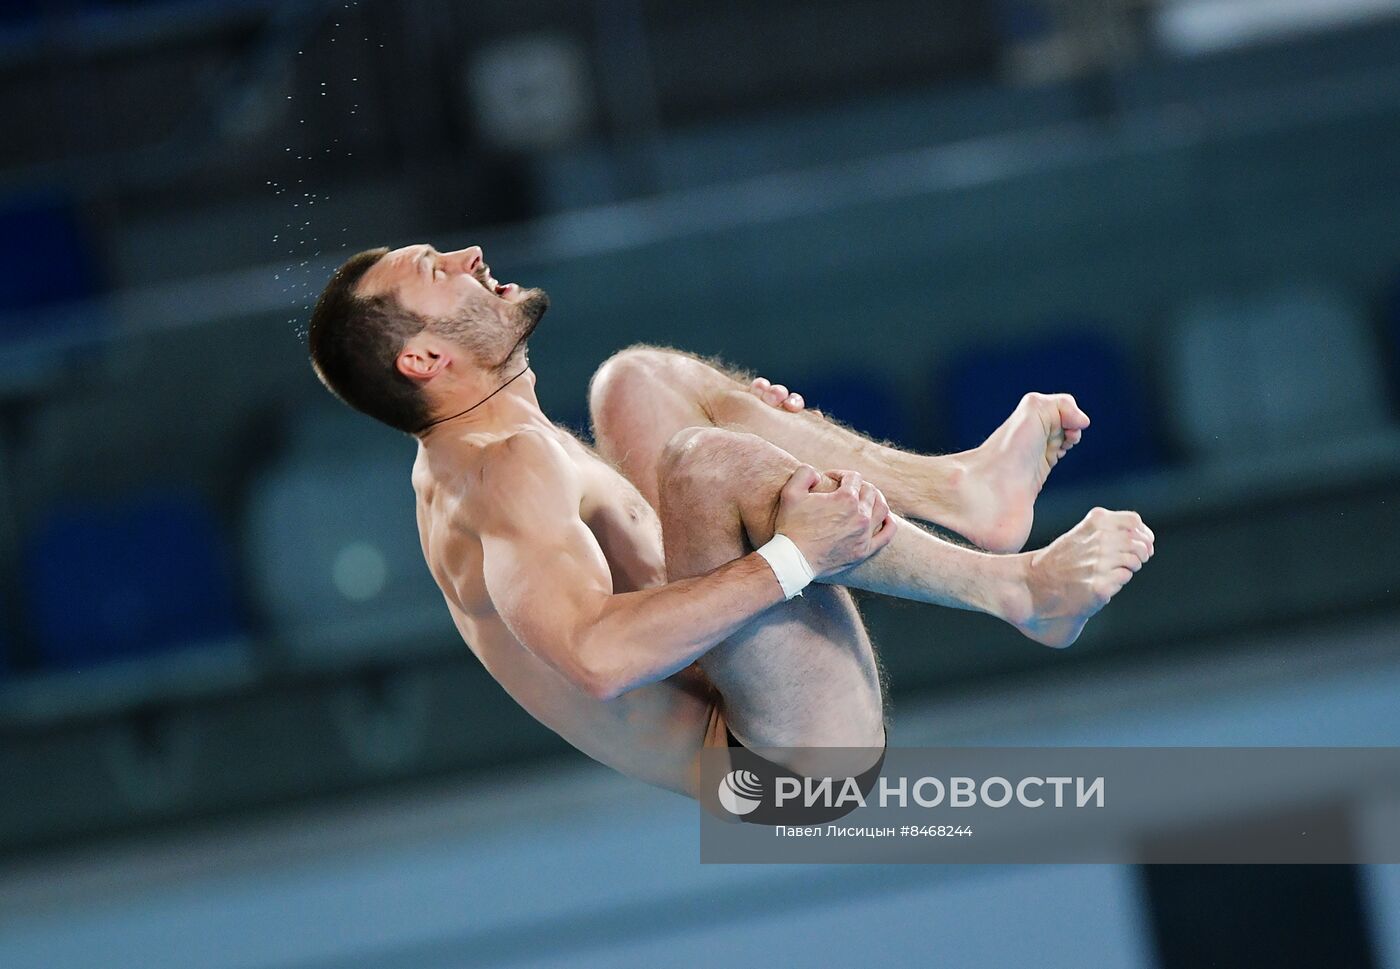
pixel 837 521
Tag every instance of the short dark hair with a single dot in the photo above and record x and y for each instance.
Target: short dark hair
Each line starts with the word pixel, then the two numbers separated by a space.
pixel 354 342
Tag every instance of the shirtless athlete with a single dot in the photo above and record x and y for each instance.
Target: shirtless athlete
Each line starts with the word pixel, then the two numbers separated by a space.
pixel 616 594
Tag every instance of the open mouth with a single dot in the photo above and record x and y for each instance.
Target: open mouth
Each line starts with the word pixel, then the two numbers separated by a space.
pixel 489 281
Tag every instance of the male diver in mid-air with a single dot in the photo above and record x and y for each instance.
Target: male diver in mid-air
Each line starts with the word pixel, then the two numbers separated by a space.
pixel 685 584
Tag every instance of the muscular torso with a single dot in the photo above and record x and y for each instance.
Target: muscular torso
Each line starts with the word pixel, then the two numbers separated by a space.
pixel 652 732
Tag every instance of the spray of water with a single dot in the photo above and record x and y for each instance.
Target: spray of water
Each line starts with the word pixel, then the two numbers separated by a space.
pixel 299 239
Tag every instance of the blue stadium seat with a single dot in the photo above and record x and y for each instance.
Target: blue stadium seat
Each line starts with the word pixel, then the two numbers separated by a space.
pixel 982 387
pixel 1021 20
pixel 48 269
pixel 859 400
pixel 20 13
pixel 334 559
pixel 1251 374
pixel 125 580
pixel 46 256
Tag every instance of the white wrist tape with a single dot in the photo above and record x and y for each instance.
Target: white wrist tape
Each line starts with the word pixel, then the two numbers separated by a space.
pixel 788 564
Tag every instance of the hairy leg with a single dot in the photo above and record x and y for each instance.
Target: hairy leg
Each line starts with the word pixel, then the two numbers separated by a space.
pixel 641 396
pixel 1048 595
pixel 803 674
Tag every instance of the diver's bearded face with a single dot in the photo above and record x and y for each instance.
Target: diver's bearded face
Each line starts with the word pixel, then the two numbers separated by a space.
pixel 525 314
pixel 498 339
pixel 461 301
pixel 495 320
pixel 522 312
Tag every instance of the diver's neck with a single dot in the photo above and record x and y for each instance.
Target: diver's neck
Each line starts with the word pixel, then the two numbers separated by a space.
pixel 509 403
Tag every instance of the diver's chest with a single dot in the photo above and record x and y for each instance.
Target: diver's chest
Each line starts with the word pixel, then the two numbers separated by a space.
pixel 612 508
pixel 607 494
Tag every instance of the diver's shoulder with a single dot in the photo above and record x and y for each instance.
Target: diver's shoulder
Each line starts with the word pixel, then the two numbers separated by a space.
pixel 517 457
pixel 469 460
pixel 520 442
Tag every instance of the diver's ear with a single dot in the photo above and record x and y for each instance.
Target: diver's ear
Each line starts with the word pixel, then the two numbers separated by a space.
pixel 421 360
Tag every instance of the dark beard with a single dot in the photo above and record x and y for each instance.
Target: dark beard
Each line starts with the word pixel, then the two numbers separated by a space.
pixel 527 315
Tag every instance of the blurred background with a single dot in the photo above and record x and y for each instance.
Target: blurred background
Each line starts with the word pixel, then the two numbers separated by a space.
pixel 237 728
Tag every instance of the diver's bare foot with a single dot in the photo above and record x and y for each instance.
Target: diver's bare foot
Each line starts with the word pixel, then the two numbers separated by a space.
pixel 1005 474
pixel 1073 577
